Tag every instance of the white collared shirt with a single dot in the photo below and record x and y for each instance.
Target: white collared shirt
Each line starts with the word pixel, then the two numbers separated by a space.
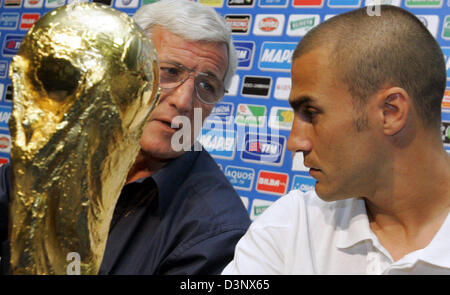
pixel 302 234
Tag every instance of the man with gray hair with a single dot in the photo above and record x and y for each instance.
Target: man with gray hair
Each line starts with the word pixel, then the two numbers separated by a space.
pixel 366 93
pixel 177 213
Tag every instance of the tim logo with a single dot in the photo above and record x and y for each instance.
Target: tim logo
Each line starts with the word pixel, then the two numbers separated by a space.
pixel 263 149
pixel 245 50
pixel 276 56
pixel 11 44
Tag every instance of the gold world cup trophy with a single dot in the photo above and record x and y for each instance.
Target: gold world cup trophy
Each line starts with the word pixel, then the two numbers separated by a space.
pixel 85 80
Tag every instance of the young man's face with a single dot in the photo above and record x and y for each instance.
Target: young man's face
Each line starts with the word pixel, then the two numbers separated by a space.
pixel 341 157
pixel 204 57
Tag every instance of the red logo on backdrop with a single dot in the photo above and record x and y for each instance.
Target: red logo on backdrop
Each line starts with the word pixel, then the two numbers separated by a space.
pixel 272 182
pixel 268 24
pixel 446 100
pixel 28 20
pixel 4 142
pixel 4 161
pixel 308 3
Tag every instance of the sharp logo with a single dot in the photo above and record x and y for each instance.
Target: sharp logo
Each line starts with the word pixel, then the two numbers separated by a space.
pixel 303 183
pixel 219 143
pixel 276 56
pixel 263 149
pixel 11 44
pixel 272 182
pixel 446 51
pixel 240 177
pixel 245 51
pixel 9 20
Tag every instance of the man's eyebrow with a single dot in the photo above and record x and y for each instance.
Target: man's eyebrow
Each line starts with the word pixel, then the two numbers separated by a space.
pixel 297 102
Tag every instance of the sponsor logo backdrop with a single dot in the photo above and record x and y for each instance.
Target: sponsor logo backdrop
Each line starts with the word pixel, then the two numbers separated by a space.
pixel 247 132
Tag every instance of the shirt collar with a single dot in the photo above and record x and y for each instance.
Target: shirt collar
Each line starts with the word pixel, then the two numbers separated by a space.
pixel 436 252
pixel 169 178
pixel 353 224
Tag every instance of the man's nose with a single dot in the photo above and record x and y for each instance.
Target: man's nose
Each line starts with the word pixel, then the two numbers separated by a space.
pixel 299 138
pixel 182 97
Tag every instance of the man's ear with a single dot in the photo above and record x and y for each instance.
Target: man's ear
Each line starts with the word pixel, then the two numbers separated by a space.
pixel 395 105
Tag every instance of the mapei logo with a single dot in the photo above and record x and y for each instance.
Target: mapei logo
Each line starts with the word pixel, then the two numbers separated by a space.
pixel 245 51
pixel 276 56
pixel 219 143
pixel 303 183
pixel 9 20
pixel 240 177
pixel 272 182
pixel 5 113
pixel 263 149
pixel 446 51
pixel 344 3
pixel 11 44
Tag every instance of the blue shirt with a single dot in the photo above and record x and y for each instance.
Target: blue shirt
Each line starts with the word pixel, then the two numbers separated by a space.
pixel 184 219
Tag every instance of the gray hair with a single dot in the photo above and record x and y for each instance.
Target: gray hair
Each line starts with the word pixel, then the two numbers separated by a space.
pixel 191 21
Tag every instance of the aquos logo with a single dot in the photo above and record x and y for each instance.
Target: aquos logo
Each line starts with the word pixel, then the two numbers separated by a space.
pixel 263 149
pixel 11 44
pixel 276 56
pixel 446 51
pixel 219 143
pixel 240 177
pixel 9 20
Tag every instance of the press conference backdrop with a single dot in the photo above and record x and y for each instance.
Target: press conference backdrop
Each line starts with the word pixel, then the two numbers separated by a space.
pixel 247 132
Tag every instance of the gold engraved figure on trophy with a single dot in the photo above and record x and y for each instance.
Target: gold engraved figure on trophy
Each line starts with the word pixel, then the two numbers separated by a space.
pixel 85 80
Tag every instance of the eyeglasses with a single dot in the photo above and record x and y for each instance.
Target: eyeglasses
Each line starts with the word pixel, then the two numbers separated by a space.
pixel 209 89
